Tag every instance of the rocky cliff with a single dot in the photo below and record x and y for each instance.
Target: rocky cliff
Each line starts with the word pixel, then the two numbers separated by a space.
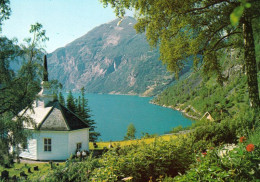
pixel 111 58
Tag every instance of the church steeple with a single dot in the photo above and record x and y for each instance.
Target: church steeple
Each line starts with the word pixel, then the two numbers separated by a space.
pixel 45 96
pixel 45 69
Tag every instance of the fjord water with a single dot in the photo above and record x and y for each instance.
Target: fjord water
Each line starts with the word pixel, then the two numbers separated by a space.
pixel 113 114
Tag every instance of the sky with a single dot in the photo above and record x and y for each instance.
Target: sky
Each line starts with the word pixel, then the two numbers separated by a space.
pixel 63 20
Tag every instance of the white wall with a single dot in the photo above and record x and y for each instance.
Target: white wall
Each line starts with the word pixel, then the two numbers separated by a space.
pixel 63 143
pixel 30 152
pixel 78 136
pixel 59 144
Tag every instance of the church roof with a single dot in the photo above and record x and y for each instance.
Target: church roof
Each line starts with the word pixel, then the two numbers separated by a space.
pixel 55 117
pixel 50 115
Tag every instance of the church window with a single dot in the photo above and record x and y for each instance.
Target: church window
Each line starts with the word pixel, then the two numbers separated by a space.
pixel 47 144
pixel 79 145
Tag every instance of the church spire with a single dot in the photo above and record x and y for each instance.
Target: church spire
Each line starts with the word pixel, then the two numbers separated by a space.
pixel 45 96
pixel 45 69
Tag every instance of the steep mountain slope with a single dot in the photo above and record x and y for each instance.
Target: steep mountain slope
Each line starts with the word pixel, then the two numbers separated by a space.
pixel 111 58
pixel 199 94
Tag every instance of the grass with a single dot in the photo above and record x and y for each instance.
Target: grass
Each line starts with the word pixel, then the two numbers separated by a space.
pixel 17 168
pixel 101 145
pixel 254 137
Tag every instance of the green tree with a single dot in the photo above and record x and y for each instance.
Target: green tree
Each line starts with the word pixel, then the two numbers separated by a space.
pixel 71 102
pixel 18 89
pixel 199 30
pixel 61 99
pixel 80 108
pixel 5 11
pixel 84 113
pixel 78 105
pixel 130 134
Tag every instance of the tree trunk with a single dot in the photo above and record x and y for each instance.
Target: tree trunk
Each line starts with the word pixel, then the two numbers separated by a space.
pixel 250 63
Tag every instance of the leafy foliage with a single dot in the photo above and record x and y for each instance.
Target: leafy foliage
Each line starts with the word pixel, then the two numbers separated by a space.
pixel 130 134
pixel 18 89
pixel 72 171
pixel 238 12
pixel 5 11
pixel 226 163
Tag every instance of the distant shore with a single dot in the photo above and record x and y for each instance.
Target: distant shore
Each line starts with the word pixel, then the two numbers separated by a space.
pixel 178 109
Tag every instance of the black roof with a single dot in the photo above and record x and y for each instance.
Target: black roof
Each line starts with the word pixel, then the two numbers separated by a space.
pixel 61 119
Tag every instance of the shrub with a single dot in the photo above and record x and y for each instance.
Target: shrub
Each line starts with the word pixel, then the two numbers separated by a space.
pixel 73 171
pixel 226 163
pixel 143 162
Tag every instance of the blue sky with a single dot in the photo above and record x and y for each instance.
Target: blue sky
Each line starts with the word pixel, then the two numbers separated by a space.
pixel 63 20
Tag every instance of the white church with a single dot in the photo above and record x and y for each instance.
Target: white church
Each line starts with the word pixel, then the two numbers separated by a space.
pixel 57 132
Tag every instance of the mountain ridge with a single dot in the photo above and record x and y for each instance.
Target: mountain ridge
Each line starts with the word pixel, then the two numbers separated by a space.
pixel 111 58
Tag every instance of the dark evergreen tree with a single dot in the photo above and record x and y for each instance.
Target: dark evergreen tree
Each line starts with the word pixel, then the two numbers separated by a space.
pixel 71 102
pixel 84 113
pixel 80 108
pixel 61 99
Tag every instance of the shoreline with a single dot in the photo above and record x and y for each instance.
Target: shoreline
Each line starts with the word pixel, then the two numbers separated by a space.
pixel 177 109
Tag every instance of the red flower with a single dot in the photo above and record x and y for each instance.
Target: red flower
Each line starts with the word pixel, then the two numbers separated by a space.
pixel 204 153
pixel 242 139
pixel 250 147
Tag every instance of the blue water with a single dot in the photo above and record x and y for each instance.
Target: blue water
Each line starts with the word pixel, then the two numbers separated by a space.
pixel 113 114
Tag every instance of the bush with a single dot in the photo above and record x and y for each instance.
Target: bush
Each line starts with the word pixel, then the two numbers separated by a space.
pixel 143 162
pixel 73 171
pixel 227 131
pixel 226 163
pixel 177 129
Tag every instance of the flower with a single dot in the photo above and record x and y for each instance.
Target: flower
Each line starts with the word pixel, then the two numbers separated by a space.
pixel 242 139
pixel 128 178
pixel 250 147
pixel 204 154
pixel 227 148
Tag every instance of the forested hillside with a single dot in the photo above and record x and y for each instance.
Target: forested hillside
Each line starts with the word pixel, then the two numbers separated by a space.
pixel 198 93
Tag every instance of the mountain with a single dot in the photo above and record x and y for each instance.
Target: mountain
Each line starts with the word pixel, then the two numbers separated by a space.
pixel 111 58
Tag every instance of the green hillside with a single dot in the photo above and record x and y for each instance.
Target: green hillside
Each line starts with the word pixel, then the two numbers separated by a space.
pixel 198 93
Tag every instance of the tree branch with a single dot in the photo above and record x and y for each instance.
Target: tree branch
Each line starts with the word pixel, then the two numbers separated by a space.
pixel 216 44
pixel 205 7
